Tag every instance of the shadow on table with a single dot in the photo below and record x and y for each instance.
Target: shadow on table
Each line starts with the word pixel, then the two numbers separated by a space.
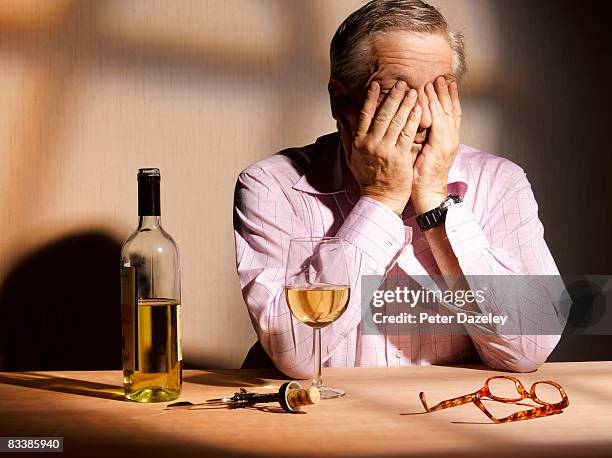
pixel 260 408
pixel 232 378
pixel 475 367
pixel 486 401
pixel 63 385
pixel 280 410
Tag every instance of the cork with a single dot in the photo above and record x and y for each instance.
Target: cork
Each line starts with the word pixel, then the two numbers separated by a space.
pixel 293 396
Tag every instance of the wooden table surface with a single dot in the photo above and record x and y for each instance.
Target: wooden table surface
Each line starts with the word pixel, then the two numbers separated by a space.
pixel 380 416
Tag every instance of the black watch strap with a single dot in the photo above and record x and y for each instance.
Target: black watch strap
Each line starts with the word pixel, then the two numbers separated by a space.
pixel 437 216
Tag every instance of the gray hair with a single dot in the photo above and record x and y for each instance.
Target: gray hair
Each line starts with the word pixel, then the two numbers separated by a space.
pixel 350 54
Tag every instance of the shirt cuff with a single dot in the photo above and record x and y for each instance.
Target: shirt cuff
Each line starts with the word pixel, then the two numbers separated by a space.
pixel 463 231
pixel 376 230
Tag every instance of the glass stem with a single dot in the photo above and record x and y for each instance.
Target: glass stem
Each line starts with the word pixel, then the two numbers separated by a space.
pixel 317 380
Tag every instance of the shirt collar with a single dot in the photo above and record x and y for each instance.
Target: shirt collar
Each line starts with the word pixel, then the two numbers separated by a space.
pixel 323 175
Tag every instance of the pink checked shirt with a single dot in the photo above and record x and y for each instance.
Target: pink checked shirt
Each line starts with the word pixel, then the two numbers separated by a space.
pixel 299 193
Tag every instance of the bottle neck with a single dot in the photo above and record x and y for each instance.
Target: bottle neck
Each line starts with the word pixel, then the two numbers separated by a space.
pixel 149 222
pixel 149 208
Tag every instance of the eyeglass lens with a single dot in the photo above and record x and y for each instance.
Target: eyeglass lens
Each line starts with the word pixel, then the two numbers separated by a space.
pixel 504 389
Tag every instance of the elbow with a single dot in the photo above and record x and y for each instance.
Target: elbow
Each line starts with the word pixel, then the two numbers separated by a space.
pixel 292 370
pixel 291 363
pixel 525 354
pixel 298 373
pixel 521 365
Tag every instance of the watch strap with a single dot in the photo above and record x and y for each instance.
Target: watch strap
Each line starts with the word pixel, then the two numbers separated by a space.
pixel 436 216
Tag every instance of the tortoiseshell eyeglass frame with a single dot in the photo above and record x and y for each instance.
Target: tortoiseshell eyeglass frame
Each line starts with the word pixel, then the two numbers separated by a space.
pixel 543 410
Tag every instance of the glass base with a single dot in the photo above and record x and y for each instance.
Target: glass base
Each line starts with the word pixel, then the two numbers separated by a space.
pixel 330 393
pixel 153 394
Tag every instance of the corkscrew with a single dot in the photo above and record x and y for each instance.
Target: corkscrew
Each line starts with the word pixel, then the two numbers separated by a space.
pixel 291 396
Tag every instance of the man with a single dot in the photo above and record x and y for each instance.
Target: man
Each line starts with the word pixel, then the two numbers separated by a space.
pixel 395 68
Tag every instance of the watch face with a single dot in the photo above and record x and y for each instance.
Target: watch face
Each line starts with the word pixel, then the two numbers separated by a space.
pixel 452 199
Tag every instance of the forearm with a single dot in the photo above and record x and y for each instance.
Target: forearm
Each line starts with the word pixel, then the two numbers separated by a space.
pixel 524 287
pixel 288 341
pixel 442 251
pixel 374 237
pixel 447 262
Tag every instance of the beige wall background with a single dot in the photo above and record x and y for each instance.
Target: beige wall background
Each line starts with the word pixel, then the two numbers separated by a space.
pixel 92 90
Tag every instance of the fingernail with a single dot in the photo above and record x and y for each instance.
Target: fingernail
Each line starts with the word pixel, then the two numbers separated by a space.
pixel 412 94
pixel 401 85
pixel 442 81
pixel 373 85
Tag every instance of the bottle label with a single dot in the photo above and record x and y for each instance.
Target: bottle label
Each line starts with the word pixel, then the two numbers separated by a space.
pixel 128 310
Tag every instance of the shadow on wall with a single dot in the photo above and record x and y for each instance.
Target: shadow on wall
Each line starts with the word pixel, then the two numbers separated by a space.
pixel 60 307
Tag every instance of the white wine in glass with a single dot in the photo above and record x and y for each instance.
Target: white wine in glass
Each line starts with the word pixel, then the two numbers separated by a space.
pixel 317 305
pixel 317 291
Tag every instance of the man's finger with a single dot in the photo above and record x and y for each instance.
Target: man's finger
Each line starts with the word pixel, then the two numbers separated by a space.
pixel 406 136
pixel 399 120
pixel 387 111
pixel 346 137
pixel 440 124
pixel 454 95
pixel 430 92
pixel 443 96
pixel 368 110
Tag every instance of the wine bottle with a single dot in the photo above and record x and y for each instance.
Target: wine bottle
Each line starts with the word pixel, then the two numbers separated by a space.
pixel 151 302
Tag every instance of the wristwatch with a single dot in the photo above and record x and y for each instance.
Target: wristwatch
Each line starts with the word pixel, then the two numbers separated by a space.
pixel 437 216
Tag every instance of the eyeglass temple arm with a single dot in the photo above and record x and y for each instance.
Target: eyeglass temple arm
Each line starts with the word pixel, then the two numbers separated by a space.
pixel 533 413
pixel 453 402
pixel 550 409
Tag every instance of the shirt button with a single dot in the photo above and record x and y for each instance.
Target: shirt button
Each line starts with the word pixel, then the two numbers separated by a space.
pixel 399 354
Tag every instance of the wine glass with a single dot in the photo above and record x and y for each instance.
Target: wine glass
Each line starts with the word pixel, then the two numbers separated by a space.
pixel 317 291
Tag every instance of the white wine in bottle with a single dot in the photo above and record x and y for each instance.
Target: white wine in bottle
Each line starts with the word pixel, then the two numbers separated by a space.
pixel 151 302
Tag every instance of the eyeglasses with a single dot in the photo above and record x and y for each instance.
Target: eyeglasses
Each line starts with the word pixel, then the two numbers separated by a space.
pixel 500 386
